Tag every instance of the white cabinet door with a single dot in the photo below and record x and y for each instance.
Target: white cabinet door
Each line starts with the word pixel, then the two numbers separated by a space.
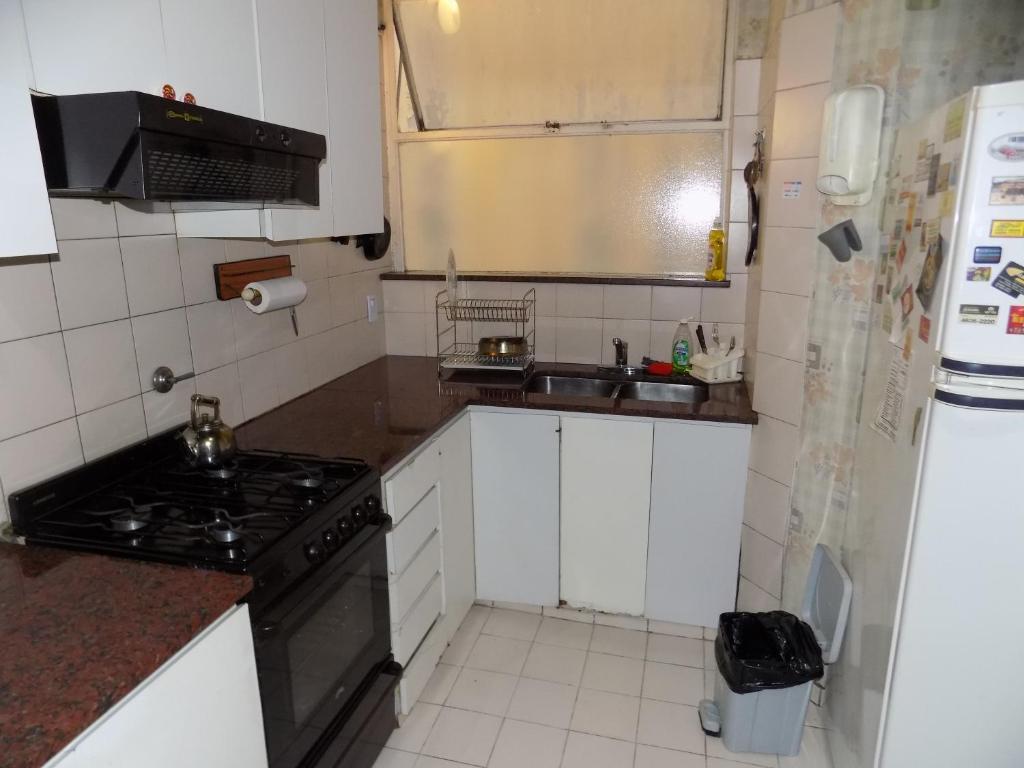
pixel 606 491
pixel 99 45
pixel 515 506
pixel 26 226
pixel 293 73
pixel 697 490
pixel 353 82
pixel 211 53
pixel 457 546
pixel 201 709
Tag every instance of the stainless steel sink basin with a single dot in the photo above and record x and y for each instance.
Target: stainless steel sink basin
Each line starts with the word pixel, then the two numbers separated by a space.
pixel 663 392
pixel 572 386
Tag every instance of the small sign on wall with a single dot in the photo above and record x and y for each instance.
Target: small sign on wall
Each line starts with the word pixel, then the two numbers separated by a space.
pixel 791 189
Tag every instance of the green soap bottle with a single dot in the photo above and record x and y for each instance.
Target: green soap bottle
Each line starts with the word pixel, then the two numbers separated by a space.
pixel 682 347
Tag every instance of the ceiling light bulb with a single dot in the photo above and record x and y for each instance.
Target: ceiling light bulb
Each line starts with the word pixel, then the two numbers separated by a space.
pixel 448 16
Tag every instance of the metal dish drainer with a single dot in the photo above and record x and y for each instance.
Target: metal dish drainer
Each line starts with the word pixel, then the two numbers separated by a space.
pixel 461 322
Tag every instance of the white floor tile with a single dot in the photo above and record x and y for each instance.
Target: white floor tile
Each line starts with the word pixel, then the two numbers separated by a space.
pixel 619 642
pixel 671 682
pixel 481 691
pixel 539 701
pixel 498 654
pixel 709 684
pixel 814 751
pixel 461 736
pixel 616 619
pixel 527 745
pixel 584 750
pixel 569 614
pixel 415 728
pixel 440 684
pixel 677 630
pixel 718 762
pixel 617 674
pixel 673 726
pixel 675 650
pixel 709 655
pixel 606 714
pixel 519 607
pixel 475 619
pixel 568 634
pixel 716 748
pixel 557 665
pixel 461 645
pixel 513 624
pixel 393 758
pixel 656 757
pixel 425 761
pixel 815 716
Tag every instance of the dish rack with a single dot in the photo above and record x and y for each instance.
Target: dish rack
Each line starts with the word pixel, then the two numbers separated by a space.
pixel 462 322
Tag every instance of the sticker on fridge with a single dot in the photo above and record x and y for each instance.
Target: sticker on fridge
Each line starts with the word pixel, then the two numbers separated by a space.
pixel 954 120
pixel 988 254
pixel 1009 147
pixel 979 274
pixel 890 410
pixel 979 314
pixel 1015 324
pixel 1007 228
pixel 924 329
pixel 930 274
pixel 1010 280
pixel 1007 190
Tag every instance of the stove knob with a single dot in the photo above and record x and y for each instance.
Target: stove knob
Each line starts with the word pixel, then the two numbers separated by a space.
pixel 345 528
pixel 331 540
pixel 359 515
pixel 372 505
pixel 313 552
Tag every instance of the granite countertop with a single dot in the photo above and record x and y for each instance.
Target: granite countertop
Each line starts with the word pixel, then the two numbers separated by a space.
pixel 381 412
pixel 79 631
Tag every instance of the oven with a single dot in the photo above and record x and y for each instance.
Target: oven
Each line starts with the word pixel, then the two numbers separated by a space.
pixel 323 655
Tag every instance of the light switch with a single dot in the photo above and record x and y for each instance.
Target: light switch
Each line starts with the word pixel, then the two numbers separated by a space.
pixel 371 308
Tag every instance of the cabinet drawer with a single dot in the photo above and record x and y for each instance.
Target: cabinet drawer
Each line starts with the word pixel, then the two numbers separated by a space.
pixel 421 616
pixel 412 482
pixel 407 537
pixel 407 587
pixel 418 671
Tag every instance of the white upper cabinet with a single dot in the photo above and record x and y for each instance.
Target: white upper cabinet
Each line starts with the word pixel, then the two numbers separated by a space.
pixel 211 53
pixel 99 45
pixel 26 226
pixel 293 72
pixel 354 146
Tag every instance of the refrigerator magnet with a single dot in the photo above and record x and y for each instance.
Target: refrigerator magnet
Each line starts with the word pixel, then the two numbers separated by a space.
pixel 1007 190
pixel 1010 280
pixel 1015 325
pixel 946 204
pixel 933 174
pixel 908 344
pixel 954 126
pixel 907 303
pixel 979 274
pixel 942 181
pixel 1008 147
pixel 1007 228
pixel 988 254
pixel 930 274
pixel 924 329
pixel 979 314
pixel 901 255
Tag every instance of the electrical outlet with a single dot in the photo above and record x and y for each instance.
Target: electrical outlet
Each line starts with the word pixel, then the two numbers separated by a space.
pixel 371 308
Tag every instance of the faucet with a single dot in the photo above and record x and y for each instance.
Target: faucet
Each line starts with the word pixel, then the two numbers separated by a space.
pixel 621 352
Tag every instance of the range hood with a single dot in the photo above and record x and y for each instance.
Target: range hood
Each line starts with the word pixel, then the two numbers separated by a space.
pixel 143 147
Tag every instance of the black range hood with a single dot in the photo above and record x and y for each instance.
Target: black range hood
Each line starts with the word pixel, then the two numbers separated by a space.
pixel 143 147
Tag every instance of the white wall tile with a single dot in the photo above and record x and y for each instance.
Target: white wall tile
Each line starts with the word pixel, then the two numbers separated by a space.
pixel 102 363
pixel 782 325
pixel 39 455
pixel 574 300
pixel 779 391
pixel 547 339
pixel 773 448
pixel 579 340
pixel 323 356
pixel 143 217
pixel 405 335
pixel 239 249
pixel 35 388
pixel 546 294
pixel 796 128
pixel 752 598
pixel 310 259
pixel 89 281
pixel 737 237
pixel 111 427
pixel 313 315
pixel 28 303
pixel 258 333
pixel 761 561
pixel 211 331
pixel 806 48
pixel 165 410
pixel 197 256
pixel 674 303
pixel 405 296
pixel 223 383
pixel 345 300
pixel 767 507
pixel 743 140
pixel 161 339
pixel 791 199
pixel 746 83
pixel 636 333
pixel 725 305
pixel 152 273
pixel 662 333
pixel 290 371
pixel 74 218
pixel 788 259
pixel 628 302
pixel 259 384
pixel 738 197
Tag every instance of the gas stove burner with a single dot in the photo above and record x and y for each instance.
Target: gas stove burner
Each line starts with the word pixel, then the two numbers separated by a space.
pixel 224 532
pixel 221 473
pixel 305 480
pixel 127 521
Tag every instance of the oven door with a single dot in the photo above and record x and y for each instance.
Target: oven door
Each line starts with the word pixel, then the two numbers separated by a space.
pixel 318 646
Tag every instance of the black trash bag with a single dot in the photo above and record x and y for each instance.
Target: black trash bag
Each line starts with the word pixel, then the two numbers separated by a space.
pixel 760 651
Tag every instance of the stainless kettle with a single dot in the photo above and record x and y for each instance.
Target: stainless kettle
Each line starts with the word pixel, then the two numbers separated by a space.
pixel 209 441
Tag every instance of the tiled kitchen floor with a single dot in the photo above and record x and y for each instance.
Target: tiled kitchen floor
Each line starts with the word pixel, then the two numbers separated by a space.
pixel 518 690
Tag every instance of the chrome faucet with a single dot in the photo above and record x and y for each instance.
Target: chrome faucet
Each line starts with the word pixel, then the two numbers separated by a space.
pixel 621 352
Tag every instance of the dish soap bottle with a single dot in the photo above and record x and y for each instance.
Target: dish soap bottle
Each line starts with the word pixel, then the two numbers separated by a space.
pixel 716 252
pixel 682 347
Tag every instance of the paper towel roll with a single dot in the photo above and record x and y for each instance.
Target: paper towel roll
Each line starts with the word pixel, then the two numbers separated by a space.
pixel 268 295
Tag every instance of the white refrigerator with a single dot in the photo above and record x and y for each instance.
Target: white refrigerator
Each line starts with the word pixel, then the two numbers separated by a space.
pixel 939 534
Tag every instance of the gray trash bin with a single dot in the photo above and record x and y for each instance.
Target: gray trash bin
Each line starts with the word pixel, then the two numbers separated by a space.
pixel 767 663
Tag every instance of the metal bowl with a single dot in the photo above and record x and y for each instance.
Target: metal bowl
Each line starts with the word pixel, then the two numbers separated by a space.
pixel 502 346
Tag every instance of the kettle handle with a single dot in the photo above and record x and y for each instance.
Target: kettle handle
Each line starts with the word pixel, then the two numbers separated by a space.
pixel 201 400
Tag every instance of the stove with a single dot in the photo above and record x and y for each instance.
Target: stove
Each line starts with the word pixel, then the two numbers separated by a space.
pixel 309 530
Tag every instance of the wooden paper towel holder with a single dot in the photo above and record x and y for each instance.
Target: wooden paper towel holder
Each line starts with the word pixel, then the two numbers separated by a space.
pixel 232 277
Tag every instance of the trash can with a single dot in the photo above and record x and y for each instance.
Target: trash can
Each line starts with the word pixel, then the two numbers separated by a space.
pixel 767 663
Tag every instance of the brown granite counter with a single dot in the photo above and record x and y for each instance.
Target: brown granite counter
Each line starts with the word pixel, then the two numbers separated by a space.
pixel 384 410
pixel 79 631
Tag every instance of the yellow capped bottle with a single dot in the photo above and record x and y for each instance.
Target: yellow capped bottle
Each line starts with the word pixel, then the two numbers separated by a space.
pixel 716 252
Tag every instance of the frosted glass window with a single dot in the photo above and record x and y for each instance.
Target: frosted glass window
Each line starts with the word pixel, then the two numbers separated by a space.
pixel 618 204
pixel 527 62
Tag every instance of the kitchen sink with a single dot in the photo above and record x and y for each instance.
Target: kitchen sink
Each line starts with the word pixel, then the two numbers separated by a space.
pixel 663 392
pixel 574 386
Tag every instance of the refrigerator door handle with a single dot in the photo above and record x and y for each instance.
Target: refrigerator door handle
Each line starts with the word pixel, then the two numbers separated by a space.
pixel 983 398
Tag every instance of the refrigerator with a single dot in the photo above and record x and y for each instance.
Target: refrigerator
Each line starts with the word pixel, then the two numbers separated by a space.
pixel 932 675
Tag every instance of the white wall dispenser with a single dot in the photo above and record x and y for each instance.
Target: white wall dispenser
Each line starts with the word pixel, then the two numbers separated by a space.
pixel 851 133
